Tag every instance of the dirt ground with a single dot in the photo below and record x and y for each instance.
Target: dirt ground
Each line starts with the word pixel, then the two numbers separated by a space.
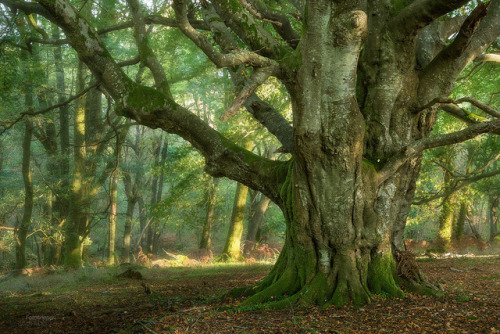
pixel 182 301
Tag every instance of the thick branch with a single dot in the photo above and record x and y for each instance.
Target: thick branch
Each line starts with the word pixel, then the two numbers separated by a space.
pixel 270 118
pixel 257 78
pixel 253 34
pixel 462 114
pixel 154 109
pixel 421 13
pixel 279 21
pixel 147 55
pixel 477 33
pixel 219 59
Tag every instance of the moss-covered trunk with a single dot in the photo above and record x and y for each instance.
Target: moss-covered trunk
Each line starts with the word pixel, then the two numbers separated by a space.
pixel 77 224
pixel 22 229
pixel 232 249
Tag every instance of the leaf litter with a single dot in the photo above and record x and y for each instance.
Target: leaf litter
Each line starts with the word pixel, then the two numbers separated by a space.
pixel 185 301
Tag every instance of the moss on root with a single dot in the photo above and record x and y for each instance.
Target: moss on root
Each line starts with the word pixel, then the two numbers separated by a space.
pixel 381 273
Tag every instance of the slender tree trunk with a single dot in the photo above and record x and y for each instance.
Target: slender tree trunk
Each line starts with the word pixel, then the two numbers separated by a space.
pixel 113 194
pixel 157 229
pixel 257 213
pixel 232 246
pixel 210 201
pixel 61 203
pixel 446 218
pixel 154 193
pixel 22 230
pixel 493 210
pixel 77 225
pixel 143 221
pixel 131 192
pixel 459 225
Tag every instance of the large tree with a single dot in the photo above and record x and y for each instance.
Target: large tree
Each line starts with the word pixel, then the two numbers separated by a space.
pixel 366 80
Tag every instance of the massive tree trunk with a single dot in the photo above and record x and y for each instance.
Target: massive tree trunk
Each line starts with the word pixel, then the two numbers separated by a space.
pixel 363 110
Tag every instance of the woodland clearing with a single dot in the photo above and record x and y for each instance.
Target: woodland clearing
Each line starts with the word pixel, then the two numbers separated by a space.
pixel 184 300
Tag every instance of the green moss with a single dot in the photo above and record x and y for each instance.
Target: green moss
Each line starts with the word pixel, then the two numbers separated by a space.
pixel 292 59
pixel 398 5
pixel 381 273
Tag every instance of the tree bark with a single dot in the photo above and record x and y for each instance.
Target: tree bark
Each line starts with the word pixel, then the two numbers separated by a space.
pixel 493 215
pixel 459 225
pixel 77 225
pixel 22 230
pixel 232 251
pixel 113 194
pixel 210 201
pixel 257 212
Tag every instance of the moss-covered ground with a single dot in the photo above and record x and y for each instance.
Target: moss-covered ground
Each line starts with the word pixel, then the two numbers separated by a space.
pixel 94 300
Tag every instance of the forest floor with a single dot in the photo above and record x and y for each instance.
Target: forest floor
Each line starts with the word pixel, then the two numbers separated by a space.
pixel 95 301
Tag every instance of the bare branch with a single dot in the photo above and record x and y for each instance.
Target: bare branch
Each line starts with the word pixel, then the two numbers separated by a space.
pixel 270 118
pixel 462 114
pixel 459 185
pixel 256 13
pixel 394 163
pixel 479 30
pixel 130 62
pixel 478 104
pixel 491 57
pixel 46 110
pixel 279 21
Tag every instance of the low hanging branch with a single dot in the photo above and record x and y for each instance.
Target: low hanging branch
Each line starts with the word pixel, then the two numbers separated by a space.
pixel 46 110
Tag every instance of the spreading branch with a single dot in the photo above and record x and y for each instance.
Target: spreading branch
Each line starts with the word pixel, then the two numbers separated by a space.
pixel 279 21
pixel 148 58
pixel 459 184
pixel 478 104
pixel 46 110
pixel 219 59
pixel 477 33
pixel 152 108
pixel 415 148
pixel 421 13
pixel 263 112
